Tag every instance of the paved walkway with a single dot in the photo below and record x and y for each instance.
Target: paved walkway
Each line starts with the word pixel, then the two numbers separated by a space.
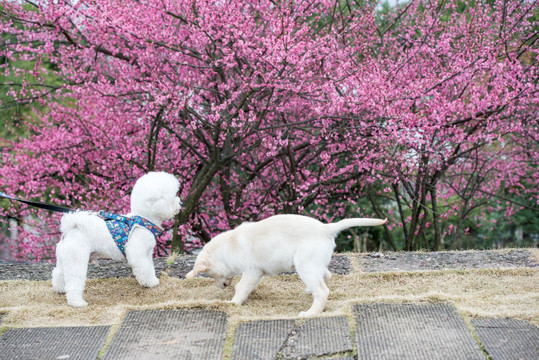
pixel 382 331
pixel 375 331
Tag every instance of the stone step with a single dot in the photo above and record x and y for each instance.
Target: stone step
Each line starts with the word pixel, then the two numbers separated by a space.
pixel 289 339
pixel 413 331
pixel 169 334
pixel 508 339
pixel 318 337
pixel 260 340
pixel 82 342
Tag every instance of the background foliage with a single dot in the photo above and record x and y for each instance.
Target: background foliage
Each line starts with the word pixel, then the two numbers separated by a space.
pixel 425 113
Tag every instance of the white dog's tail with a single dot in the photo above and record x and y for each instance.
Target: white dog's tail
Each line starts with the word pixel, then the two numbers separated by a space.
pixel 74 220
pixel 337 227
pixel 68 222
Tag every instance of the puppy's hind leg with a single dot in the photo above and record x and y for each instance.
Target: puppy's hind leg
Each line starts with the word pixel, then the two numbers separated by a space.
pixel 316 285
pixel 249 280
pixel 73 255
pixel 327 277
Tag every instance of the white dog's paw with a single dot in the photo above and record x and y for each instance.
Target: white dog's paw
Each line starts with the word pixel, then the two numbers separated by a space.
pixel 58 286
pixel 59 290
pixel 235 302
pixel 149 282
pixel 77 303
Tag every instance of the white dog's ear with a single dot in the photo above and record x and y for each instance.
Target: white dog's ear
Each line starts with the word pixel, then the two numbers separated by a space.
pixel 200 266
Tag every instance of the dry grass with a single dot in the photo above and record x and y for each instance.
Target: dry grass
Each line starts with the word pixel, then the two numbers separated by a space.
pixel 491 292
pixel 475 293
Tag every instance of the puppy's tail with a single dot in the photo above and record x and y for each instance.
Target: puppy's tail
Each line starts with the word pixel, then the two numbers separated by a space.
pixel 337 227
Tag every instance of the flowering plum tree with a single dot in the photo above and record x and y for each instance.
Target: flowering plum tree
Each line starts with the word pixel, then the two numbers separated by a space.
pixel 262 107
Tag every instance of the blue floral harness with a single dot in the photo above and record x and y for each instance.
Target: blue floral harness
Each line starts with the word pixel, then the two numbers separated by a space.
pixel 121 226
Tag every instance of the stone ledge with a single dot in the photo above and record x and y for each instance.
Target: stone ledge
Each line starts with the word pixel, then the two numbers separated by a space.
pixel 341 264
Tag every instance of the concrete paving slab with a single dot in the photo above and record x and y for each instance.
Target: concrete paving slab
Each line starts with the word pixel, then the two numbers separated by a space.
pixel 508 339
pixel 415 261
pixel 317 337
pixel 169 334
pixel 413 331
pixel 71 343
pixel 260 340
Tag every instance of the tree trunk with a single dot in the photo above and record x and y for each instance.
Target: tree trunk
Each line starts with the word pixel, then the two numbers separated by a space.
pixel 202 179
pixel 380 214
pixel 435 220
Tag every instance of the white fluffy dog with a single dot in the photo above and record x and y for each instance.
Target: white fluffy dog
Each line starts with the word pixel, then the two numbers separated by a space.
pixel 153 200
pixel 277 244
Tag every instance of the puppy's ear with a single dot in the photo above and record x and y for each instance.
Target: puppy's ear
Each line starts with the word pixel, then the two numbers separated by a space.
pixel 200 266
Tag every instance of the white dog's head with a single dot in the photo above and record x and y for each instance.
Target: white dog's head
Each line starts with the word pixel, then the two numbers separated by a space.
pixel 210 265
pixel 154 196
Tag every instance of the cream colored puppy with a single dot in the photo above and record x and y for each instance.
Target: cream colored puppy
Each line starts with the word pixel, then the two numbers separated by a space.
pixel 277 244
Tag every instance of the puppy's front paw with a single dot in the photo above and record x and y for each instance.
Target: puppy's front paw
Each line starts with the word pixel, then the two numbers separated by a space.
pixel 77 303
pixel 305 314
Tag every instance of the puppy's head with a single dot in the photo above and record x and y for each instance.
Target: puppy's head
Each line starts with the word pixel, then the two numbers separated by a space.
pixel 205 264
pixel 154 195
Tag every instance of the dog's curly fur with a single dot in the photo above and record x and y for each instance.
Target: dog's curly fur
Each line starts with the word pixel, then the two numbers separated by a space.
pixel 85 233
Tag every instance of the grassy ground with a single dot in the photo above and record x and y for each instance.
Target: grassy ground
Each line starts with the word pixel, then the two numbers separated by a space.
pixel 475 293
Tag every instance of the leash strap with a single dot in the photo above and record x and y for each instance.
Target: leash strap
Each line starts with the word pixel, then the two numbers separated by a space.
pixel 38 204
pixel 119 226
